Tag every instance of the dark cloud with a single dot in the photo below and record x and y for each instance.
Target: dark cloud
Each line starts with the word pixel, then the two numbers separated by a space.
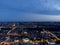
pixel 33 6
pixel 22 9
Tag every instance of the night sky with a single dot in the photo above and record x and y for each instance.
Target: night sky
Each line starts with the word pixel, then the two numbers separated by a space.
pixel 29 10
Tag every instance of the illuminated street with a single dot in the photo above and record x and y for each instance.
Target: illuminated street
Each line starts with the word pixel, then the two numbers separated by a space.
pixel 29 33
